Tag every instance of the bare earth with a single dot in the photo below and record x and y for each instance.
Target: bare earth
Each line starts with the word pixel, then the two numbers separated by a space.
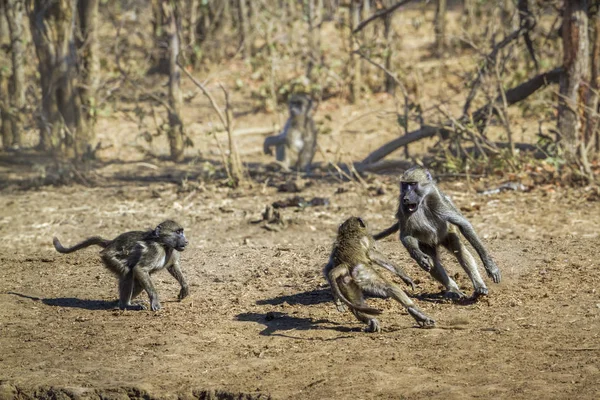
pixel 260 320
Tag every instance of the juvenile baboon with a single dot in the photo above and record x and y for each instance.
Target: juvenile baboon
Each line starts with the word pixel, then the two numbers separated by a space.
pixel 296 145
pixel 427 218
pixel 134 256
pixel 350 272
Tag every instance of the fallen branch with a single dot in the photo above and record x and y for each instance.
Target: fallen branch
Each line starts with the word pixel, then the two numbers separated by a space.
pixel 513 96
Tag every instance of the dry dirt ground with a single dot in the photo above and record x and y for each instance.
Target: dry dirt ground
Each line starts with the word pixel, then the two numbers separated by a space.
pixel 260 321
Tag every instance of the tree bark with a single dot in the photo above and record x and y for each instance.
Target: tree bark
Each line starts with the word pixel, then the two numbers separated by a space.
pixel 4 32
pixel 14 13
pixel 592 132
pixel 390 85
pixel 573 88
pixel 176 129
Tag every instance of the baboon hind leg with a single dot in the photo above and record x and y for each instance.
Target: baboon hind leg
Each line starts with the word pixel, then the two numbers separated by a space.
pixel 439 274
pixel 125 290
pixel 467 262
pixel 370 280
pixel 372 323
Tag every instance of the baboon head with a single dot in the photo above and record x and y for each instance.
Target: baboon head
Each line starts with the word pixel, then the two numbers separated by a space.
pixel 299 104
pixel 170 233
pixel 353 225
pixel 415 184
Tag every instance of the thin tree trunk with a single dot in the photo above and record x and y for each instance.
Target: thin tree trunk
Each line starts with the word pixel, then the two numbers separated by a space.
pixel 176 132
pixel 314 52
pixel 572 93
pixel 14 13
pixel 191 33
pixel 7 137
pixel 440 27
pixel 90 66
pixel 244 29
pixel 390 85
pixel 355 58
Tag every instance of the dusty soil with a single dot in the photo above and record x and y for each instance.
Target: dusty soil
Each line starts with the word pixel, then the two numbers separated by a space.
pixel 260 320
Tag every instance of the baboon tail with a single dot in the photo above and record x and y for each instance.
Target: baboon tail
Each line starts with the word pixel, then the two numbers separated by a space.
pixel 360 307
pixel 392 229
pixel 95 240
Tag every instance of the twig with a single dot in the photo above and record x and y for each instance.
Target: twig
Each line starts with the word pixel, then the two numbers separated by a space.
pixel 380 14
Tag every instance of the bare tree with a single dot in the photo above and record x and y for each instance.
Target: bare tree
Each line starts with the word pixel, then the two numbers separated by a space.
pixel 355 62
pixel 63 126
pixel 244 29
pixel 576 72
pixel 390 85
pixel 89 64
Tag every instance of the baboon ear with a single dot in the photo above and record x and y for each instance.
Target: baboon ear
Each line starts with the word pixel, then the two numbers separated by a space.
pixel 361 222
pixel 156 232
pixel 428 174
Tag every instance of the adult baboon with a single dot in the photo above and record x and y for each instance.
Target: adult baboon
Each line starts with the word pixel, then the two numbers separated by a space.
pixel 134 256
pixel 350 272
pixel 427 218
pixel 296 145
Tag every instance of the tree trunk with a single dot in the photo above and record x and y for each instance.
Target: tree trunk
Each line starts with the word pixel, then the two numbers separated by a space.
pixel 62 124
pixel 176 132
pixel 4 32
pixel 440 27
pixel 314 52
pixel 355 58
pixel 7 137
pixel 244 29
pixel 592 132
pixel 14 13
pixel 573 88
pixel 90 65
pixel 390 85
pixel 191 33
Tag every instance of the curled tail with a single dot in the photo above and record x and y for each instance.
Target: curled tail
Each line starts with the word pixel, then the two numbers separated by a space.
pixel 392 229
pixel 94 240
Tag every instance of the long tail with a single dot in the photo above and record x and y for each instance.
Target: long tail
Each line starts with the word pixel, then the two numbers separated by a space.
pixel 392 229
pixel 94 240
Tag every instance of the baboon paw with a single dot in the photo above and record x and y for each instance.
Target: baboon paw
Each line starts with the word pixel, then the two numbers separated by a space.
pixel 155 306
pixel 373 327
pixel 495 275
pixel 428 323
pixel 480 291
pixel 183 293
pixel 454 295
pixel 341 308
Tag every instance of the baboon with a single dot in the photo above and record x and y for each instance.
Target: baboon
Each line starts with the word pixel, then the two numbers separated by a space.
pixel 350 272
pixel 427 218
pixel 134 256
pixel 296 145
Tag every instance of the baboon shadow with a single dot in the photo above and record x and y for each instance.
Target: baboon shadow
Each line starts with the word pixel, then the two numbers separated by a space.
pixel 72 302
pixel 308 298
pixel 441 298
pixel 276 322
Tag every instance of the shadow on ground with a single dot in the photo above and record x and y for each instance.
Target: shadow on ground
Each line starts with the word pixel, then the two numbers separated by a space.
pixel 72 302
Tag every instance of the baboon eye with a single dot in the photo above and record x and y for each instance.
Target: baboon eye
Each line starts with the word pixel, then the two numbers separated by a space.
pixel 361 222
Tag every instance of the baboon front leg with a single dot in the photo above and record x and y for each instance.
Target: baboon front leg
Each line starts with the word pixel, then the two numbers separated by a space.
pixel 466 260
pixel 175 271
pixel 380 260
pixel 439 274
pixel 412 245
pixel 143 278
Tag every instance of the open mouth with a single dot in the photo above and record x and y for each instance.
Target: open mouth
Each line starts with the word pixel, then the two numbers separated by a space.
pixel 411 207
pixel 180 248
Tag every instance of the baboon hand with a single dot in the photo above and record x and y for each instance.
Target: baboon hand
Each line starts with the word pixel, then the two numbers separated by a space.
pixel 341 307
pixel 183 293
pixel 425 262
pixel 267 150
pixel 493 271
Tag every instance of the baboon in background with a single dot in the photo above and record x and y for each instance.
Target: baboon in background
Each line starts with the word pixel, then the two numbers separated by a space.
pixel 296 145
pixel 350 272
pixel 134 256
pixel 427 218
